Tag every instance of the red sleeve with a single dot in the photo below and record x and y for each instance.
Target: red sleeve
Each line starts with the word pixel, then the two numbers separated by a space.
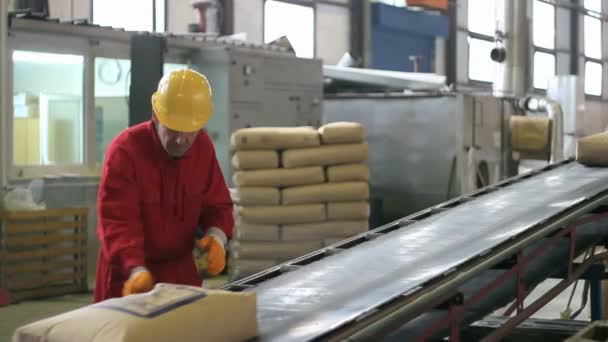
pixel 119 226
pixel 217 205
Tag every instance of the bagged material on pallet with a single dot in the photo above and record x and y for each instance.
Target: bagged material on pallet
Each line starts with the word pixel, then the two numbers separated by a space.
pixel 347 211
pixel 279 177
pixel 168 313
pixel 256 232
pixel 592 150
pixel 342 133
pixel 348 173
pixel 283 214
pixel 256 196
pixel 326 192
pixel 332 241
pixel 325 155
pixel 284 250
pixel 253 160
pixel 323 230
pixel 274 138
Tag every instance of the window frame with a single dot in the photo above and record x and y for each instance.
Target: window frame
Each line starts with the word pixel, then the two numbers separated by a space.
pixel 42 43
pixel 583 53
pixel 307 3
pixel 474 35
pixel 534 48
pixel 154 16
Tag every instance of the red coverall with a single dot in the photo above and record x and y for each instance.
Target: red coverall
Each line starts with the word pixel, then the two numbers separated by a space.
pixel 149 205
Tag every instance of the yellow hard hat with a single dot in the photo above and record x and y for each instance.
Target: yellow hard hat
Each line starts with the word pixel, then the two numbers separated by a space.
pixel 182 101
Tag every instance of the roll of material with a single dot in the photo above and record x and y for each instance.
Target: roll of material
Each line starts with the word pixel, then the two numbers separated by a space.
pixel 348 173
pixel 593 150
pixel 327 192
pixel 255 159
pixel 323 230
pixel 283 250
pixel 531 136
pixel 283 214
pixel 168 313
pixel 274 138
pixel 348 211
pixel 325 155
pixel 256 232
pixel 253 196
pixel 342 133
pixel 279 177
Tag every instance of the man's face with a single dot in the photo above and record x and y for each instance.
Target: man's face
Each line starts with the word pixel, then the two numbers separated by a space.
pixel 175 143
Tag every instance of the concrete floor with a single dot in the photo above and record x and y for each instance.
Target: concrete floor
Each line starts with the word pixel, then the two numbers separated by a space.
pixel 14 316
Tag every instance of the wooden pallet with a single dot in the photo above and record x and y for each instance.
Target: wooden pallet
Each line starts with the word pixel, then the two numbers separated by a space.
pixel 43 253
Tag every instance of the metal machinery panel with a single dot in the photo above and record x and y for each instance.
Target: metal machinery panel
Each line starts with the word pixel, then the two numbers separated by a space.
pixel 255 89
pixel 419 144
pixel 312 301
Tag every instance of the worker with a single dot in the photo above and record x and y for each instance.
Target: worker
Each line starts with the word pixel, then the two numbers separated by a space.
pixel 160 181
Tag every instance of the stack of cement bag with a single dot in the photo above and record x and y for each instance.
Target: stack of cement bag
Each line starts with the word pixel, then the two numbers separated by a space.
pixel 296 190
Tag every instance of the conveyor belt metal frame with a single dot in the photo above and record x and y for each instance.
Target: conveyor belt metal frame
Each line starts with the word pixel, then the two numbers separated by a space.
pixel 382 320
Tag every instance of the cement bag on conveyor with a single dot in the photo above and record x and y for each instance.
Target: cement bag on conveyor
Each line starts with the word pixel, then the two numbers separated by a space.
pixel 342 133
pixel 283 214
pixel 274 138
pixel 348 173
pixel 253 160
pixel 593 150
pixel 348 211
pixel 323 230
pixel 325 155
pixel 531 137
pixel 284 250
pixel 326 192
pixel 256 196
pixel 256 232
pixel 241 268
pixel 279 177
pixel 167 313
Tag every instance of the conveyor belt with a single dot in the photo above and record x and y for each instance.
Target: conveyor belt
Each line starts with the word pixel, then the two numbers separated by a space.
pixel 314 300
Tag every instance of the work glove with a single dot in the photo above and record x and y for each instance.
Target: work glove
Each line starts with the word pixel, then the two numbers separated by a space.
pixel 213 244
pixel 140 281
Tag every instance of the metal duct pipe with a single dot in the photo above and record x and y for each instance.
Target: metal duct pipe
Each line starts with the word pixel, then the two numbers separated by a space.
pixel 539 269
pixel 510 48
pixel 3 91
pixel 554 111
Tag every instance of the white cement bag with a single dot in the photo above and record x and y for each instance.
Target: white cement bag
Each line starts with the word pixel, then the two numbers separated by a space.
pixel 348 211
pixel 253 196
pixel 253 160
pixel 274 138
pixel 255 232
pixel 283 214
pixel 323 230
pixel 348 173
pixel 167 313
pixel 284 250
pixel 325 155
pixel 279 177
pixel 342 133
pixel 326 192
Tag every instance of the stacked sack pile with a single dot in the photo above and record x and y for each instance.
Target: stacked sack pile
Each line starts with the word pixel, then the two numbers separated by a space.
pixel 296 190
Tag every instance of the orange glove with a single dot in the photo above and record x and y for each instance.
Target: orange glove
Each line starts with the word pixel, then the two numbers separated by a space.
pixel 216 256
pixel 139 282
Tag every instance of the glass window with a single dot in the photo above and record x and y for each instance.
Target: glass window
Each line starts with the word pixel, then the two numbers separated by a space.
pixel 593 78
pixel 48 108
pixel 544 69
pixel 593 37
pixel 481 18
pixel 112 83
pixel 543 24
pixel 133 15
pixel 294 21
pixel 594 5
pixel 168 67
pixel 481 67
